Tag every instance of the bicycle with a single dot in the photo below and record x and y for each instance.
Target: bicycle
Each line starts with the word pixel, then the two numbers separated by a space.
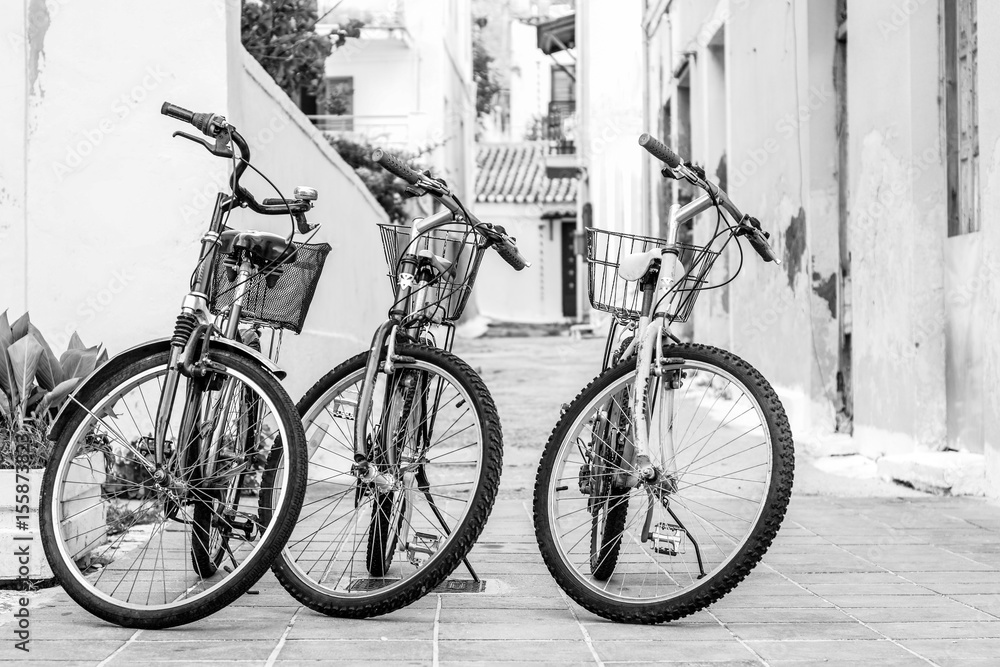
pixel 667 478
pixel 404 440
pixel 215 446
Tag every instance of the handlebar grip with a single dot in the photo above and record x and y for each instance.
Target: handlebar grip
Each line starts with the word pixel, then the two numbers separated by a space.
pixel 394 165
pixel 202 121
pixel 762 247
pixel 659 150
pixel 510 254
pixel 177 112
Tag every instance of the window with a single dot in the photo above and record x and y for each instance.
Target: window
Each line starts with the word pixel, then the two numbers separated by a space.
pixel 961 115
pixel 339 99
pixel 563 88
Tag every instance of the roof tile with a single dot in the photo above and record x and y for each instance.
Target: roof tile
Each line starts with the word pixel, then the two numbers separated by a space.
pixel 515 173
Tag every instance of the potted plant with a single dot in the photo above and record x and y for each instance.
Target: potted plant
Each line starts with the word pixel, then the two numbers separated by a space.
pixel 34 383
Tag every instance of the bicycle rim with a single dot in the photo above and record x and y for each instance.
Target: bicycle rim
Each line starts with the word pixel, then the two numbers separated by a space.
pixel 134 555
pixel 435 480
pixel 672 542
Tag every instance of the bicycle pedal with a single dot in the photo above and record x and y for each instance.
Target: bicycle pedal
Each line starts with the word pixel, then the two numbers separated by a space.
pixel 668 539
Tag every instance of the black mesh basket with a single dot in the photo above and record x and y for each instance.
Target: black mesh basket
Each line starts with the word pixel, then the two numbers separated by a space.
pixel 613 294
pixel 445 298
pixel 285 303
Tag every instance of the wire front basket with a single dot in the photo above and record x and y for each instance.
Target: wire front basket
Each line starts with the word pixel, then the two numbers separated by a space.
pixel 280 300
pixel 445 297
pixel 611 293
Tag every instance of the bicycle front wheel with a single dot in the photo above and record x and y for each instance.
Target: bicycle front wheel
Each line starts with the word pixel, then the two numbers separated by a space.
pixel 155 554
pixel 362 549
pixel 647 551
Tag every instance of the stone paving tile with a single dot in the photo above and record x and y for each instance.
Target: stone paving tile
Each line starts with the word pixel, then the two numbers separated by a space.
pixel 140 652
pixel 667 632
pixel 526 631
pixel 352 629
pixel 70 649
pixel 672 651
pixel 851 651
pixel 357 651
pixel 505 616
pixel 811 631
pixel 927 599
pixel 937 614
pixel 349 662
pixel 902 589
pixel 782 616
pixel 847 578
pixel 513 651
pixel 947 630
pixel 947 651
pixel 802 601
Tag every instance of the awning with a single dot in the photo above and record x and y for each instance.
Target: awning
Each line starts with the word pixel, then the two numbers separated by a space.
pixel 557 35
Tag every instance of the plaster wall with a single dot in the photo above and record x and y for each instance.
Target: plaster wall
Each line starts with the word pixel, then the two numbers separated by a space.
pixel 985 288
pixel 897 226
pixel 610 105
pixel 107 210
pixel 531 295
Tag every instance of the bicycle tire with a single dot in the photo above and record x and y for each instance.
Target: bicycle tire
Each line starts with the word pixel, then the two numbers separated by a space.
pixel 729 572
pixel 461 538
pixel 275 522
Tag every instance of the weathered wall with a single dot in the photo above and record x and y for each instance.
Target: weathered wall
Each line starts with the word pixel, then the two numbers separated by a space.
pixel 107 248
pixel 23 38
pixel 107 215
pixel 987 288
pixel 898 224
pixel 531 295
pixel 763 115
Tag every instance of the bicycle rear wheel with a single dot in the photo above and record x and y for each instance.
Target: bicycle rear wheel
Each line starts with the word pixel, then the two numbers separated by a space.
pixel 652 551
pixel 359 550
pixel 169 554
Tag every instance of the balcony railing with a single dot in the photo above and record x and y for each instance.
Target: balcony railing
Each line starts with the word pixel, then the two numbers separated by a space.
pixel 560 128
pixel 559 131
pixel 397 131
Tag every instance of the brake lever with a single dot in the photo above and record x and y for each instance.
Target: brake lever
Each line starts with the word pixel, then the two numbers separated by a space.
pixel 220 149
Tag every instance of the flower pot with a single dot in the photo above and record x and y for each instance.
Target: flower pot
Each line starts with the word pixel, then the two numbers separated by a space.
pixel 86 527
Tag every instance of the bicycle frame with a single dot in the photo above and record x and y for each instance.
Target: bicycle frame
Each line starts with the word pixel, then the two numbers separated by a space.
pixel 648 340
pixel 385 337
pixel 195 310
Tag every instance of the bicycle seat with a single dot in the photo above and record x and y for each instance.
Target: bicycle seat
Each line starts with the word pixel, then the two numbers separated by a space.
pixel 264 247
pixel 635 266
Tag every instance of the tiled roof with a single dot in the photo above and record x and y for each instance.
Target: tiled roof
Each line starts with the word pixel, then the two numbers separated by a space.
pixel 515 173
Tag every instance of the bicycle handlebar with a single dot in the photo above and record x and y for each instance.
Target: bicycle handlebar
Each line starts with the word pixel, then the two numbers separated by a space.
pixel 395 166
pixel 213 125
pixel 747 226
pixel 208 124
pixel 659 150
pixel 505 245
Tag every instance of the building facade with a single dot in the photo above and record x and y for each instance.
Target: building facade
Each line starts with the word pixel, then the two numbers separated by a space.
pixel 852 130
pixel 406 83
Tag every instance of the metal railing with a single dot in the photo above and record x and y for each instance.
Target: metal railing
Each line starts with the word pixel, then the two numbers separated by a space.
pixel 559 129
pixel 391 130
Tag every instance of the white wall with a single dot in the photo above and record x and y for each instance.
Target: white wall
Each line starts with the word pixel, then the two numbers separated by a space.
pixel 610 98
pixel 109 212
pixel 428 79
pixel 353 294
pixel 535 293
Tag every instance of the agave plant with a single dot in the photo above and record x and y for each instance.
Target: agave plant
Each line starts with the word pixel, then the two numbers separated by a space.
pixel 34 382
